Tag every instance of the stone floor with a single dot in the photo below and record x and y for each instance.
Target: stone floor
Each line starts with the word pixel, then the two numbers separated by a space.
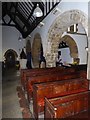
pixel 10 102
pixel 14 99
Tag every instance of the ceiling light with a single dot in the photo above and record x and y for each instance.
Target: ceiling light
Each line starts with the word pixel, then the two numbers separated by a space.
pixel 38 12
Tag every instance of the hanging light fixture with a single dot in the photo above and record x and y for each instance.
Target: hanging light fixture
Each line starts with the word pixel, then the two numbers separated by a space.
pixel 37 12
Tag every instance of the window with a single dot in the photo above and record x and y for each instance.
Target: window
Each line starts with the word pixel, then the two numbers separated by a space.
pixel 73 28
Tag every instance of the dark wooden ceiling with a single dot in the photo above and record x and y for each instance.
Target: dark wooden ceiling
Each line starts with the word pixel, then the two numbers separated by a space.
pixel 21 13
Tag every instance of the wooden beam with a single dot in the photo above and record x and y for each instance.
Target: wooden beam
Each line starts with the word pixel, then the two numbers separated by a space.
pixel 11 25
pixel 21 17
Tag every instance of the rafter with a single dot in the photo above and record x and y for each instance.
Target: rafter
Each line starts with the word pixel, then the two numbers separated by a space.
pixel 21 13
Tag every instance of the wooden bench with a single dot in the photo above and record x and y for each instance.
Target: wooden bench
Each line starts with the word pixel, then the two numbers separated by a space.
pixel 37 72
pixel 42 72
pixel 67 74
pixel 55 89
pixel 67 106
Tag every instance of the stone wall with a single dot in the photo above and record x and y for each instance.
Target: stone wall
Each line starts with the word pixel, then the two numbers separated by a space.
pixel 56 30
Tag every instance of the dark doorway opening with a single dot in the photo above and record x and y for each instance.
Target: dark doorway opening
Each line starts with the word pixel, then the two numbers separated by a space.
pixel 10 60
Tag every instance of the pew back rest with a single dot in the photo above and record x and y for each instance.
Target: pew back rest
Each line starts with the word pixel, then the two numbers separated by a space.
pixel 35 72
pixel 52 77
pixel 42 72
pixel 56 88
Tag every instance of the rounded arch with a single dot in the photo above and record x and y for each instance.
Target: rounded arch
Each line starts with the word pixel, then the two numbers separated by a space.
pixel 72 45
pixel 10 58
pixel 11 51
pixel 58 27
pixel 36 50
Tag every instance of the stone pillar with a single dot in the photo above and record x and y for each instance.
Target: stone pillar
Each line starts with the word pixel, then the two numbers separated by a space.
pixel 88 68
pixel 88 65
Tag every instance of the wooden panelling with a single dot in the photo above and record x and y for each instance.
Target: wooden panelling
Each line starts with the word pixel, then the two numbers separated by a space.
pixel 55 89
pixel 66 106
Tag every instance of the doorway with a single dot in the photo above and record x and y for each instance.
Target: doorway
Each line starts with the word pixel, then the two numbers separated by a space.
pixel 10 58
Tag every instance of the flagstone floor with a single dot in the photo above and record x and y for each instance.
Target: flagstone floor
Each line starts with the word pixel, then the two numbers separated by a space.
pixel 14 99
pixel 10 102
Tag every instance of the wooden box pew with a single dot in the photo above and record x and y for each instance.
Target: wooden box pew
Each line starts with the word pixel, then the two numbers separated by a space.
pixel 36 71
pixel 23 73
pixel 45 71
pixel 55 89
pixel 63 75
pixel 40 72
pixel 67 74
pixel 70 106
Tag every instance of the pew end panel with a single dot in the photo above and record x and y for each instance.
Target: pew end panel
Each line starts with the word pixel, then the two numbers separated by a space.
pixel 66 106
pixel 56 89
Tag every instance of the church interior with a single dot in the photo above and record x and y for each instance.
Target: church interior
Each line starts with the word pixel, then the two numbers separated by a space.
pixel 45 59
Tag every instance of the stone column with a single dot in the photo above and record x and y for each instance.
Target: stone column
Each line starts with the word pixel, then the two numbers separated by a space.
pixel 88 66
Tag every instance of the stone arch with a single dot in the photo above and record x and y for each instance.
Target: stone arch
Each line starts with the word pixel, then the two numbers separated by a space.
pixel 72 45
pixel 58 27
pixel 10 58
pixel 13 51
pixel 36 47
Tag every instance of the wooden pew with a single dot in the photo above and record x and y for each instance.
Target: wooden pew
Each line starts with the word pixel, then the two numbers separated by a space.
pixel 55 89
pixel 40 72
pixel 60 75
pixel 22 73
pixel 36 72
pixel 46 78
pixel 70 106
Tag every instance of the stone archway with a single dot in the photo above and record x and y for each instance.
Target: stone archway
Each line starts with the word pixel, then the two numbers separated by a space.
pixel 10 58
pixel 58 27
pixel 36 48
pixel 72 45
pixel 11 50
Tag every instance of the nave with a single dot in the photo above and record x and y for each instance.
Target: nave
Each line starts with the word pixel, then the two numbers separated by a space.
pixel 60 39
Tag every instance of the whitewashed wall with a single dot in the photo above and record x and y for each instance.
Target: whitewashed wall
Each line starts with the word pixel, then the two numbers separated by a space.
pixel 10 37
pixel 63 6
pixel 81 41
pixel 65 55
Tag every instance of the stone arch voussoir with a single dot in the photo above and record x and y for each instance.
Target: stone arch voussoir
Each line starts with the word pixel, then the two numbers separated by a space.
pixel 58 27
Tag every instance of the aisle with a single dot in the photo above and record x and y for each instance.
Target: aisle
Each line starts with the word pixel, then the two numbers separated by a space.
pixel 10 102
